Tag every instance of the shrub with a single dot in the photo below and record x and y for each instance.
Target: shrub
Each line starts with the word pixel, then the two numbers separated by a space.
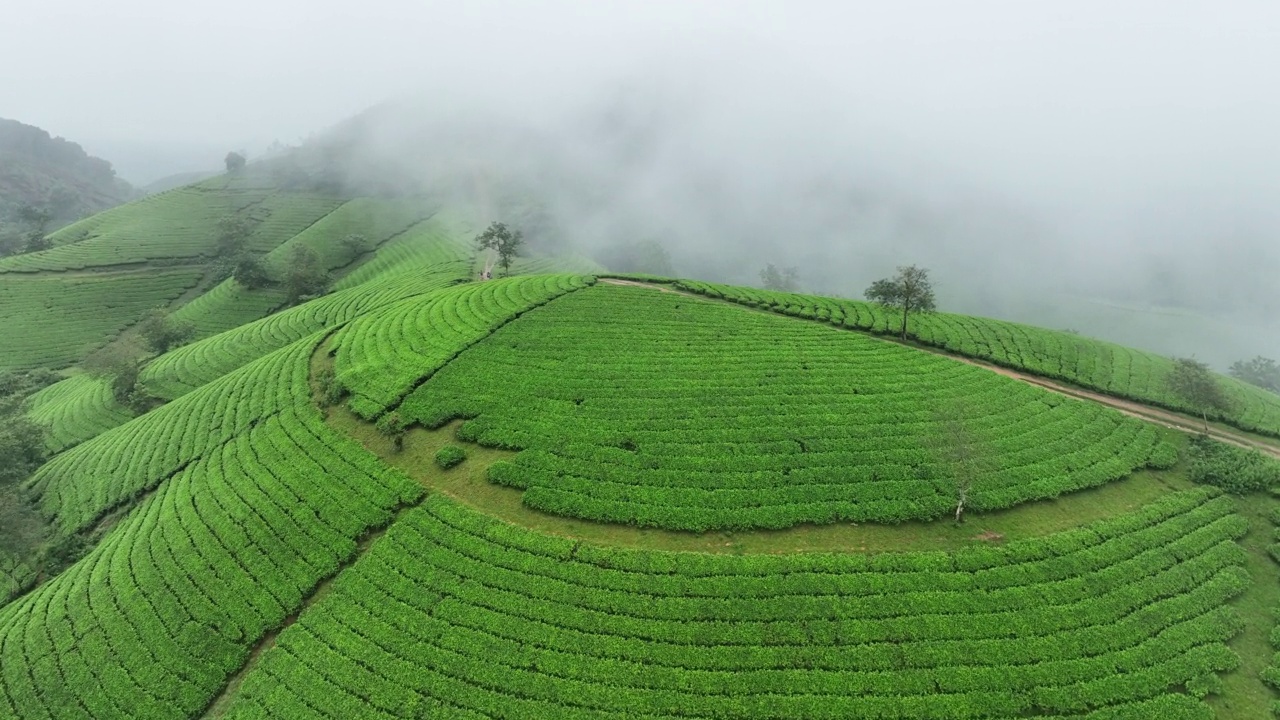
pixel 450 456
pixel 1231 468
pixel 392 426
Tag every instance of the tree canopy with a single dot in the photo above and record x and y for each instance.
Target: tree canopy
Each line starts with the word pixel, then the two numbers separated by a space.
pixel 1260 371
pixel 235 161
pixel 910 291
pixel 775 278
pixel 503 241
pixel 1193 382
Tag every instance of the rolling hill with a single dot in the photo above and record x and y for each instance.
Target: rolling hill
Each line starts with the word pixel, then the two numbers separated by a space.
pixel 53 176
pixel 666 499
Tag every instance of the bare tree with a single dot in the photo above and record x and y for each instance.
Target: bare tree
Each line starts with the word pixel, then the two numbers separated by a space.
pixel 910 291
pixel 963 454
pixel 1193 382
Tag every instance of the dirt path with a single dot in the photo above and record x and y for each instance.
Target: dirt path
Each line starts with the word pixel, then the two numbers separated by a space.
pixel 1137 410
pixel 1128 407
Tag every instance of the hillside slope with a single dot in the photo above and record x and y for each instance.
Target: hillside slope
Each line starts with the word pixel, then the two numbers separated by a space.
pixel 307 525
pixel 53 176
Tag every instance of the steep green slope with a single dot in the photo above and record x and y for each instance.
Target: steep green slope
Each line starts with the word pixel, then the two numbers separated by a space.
pixel 455 615
pixel 76 409
pixel 656 409
pixel 1093 364
pixel 229 305
pixel 244 520
pixel 186 368
pixel 54 319
pixel 384 354
pixel 175 226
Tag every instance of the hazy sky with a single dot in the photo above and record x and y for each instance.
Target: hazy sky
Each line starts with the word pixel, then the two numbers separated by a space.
pixel 1042 95
pixel 1121 129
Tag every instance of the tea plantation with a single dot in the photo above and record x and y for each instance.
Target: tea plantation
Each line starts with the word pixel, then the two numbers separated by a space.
pixel 421 495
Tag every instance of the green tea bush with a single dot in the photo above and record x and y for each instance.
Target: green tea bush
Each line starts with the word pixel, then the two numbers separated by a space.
pixel 1231 468
pixel 450 456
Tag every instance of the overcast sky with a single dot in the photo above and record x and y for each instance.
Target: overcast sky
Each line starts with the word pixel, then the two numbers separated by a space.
pixel 1037 94
pixel 1129 128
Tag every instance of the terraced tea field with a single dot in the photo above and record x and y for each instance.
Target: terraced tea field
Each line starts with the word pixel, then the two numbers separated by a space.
pixel 658 409
pixel 277 539
pixel 76 409
pixel 455 614
pixel 1094 364
pixel 54 319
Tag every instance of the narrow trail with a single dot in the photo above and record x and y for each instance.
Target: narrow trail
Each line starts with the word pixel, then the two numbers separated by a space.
pixel 1168 419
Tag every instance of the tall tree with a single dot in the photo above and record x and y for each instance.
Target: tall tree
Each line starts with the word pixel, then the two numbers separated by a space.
pixel 776 278
pixel 1193 382
pixel 1260 371
pixel 503 241
pixel 235 162
pixel 909 291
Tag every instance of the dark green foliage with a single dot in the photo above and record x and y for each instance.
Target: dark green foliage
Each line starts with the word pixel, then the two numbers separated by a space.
pixel 331 391
pixel 234 161
pixel 22 442
pixel 450 456
pixel 22 448
pixel 249 271
pixel 121 367
pixel 393 427
pixel 1260 371
pixel 1192 381
pixel 1231 468
pixel 909 291
pixel 503 241
pixel 46 183
pixel 305 277
pixel 63 552
pixel 162 332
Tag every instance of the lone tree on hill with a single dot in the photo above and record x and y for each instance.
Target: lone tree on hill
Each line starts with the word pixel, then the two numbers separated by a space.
pixel 910 291
pixel 1260 371
pixel 503 241
pixel 775 278
pixel 1192 381
pixel 235 162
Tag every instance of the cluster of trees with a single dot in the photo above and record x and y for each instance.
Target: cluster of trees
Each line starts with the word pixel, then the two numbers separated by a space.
pixel 305 276
pixel 22 442
pixel 1260 371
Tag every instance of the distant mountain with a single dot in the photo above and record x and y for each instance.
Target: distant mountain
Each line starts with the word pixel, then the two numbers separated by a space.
pixel 47 182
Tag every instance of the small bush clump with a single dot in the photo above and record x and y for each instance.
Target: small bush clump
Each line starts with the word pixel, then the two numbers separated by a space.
pixel 1231 468
pixel 450 456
